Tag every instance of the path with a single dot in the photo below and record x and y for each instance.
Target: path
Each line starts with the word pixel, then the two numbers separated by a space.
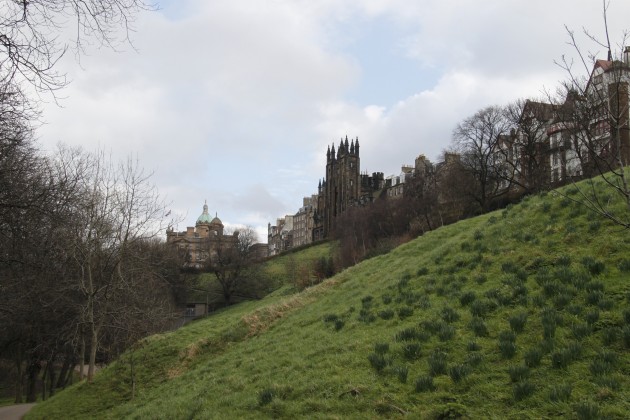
pixel 14 412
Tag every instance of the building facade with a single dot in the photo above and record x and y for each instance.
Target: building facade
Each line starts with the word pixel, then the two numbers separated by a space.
pixel 199 243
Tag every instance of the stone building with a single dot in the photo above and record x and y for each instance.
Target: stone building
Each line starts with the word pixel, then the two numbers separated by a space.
pixel 344 186
pixel 197 244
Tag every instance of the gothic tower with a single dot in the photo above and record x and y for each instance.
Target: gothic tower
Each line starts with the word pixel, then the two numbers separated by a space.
pixel 342 184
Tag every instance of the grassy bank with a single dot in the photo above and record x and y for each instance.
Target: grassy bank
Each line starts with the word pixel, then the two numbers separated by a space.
pixel 523 313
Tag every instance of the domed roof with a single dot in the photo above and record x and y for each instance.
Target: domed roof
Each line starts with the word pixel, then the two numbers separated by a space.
pixel 216 221
pixel 205 217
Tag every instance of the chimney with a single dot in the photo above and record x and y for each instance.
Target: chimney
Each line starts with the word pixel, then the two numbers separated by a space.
pixel 626 56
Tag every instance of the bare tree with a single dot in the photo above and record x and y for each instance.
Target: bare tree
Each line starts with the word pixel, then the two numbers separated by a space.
pixel 476 140
pixel 231 260
pixel 596 111
pixel 119 209
pixel 31 34
pixel 525 150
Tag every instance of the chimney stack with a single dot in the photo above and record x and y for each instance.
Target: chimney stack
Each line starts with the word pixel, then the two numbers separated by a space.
pixel 626 56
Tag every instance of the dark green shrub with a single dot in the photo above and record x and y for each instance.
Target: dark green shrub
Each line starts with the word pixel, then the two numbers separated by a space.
pixel 610 335
pixel 437 363
pixel 626 316
pixel 424 302
pixel 330 317
pixel 593 297
pixel 549 319
pixel 387 299
pixel 478 235
pixel 593 227
pixel 408 334
pixel 401 372
pixel 481 278
pixel 424 383
pixel 604 363
pixel 587 410
pixel 467 298
pixel 594 286
pixel 473 346
pixel 422 271
pixel 265 396
pixel 377 361
pixel 446 332
pixel 533 356
pixel 509 267
pixel 560 392
pixel 481 307
pixel 562 299
pixel 560 359
pixel 478 326
pixel 564 260
pixel 474 359
pixel 381 348
pixel 574 309
pixel 449 314
pixel 366 316
pixel 522 390
pixel 458 372
pixel 551 287
pixel 625 336
pixel 405 312
pixel 546 206
pixel 507 336
pixel 547 345
pixel 592 317
pixel 581 331
pixel 431 325
pixel 624 266
pixel 507 345
pixel 595 267
pixel 518 373
pixel 608 382
pixel 339 323
pixel 411 351
pixel 367 301
pixel 606 304
pixel 538 300
pixel 517 322
pixel 386 314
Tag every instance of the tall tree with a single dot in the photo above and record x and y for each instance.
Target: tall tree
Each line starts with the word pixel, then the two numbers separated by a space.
pixel 476 140
pixel 597 109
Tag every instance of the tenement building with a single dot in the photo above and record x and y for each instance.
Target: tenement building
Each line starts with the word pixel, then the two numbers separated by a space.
pixel 197 244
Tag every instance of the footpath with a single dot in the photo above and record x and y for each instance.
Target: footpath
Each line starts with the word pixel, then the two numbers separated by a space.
pixel 14 412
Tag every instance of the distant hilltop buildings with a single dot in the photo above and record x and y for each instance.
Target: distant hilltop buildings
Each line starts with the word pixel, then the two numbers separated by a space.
pixel 198 243
pixel 550 144
pixel 343 187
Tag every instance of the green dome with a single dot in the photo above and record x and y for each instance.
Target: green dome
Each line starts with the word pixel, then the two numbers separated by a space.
pixel 205 217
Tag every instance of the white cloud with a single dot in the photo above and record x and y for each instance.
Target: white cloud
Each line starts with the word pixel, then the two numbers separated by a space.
pixel 235 102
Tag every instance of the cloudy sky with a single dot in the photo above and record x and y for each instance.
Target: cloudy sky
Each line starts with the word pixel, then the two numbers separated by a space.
pixel 235 102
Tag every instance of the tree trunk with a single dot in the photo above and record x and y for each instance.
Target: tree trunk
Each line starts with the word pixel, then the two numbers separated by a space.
pixel 20 373
pixel 82 360
pixel 93 346
pixel 32 371
pixel 51 377
pixel 63 373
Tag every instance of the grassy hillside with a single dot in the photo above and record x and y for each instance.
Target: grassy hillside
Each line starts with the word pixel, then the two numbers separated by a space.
pixel 519 313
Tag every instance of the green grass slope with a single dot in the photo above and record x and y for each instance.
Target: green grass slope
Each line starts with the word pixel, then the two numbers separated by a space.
pixel 521 313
